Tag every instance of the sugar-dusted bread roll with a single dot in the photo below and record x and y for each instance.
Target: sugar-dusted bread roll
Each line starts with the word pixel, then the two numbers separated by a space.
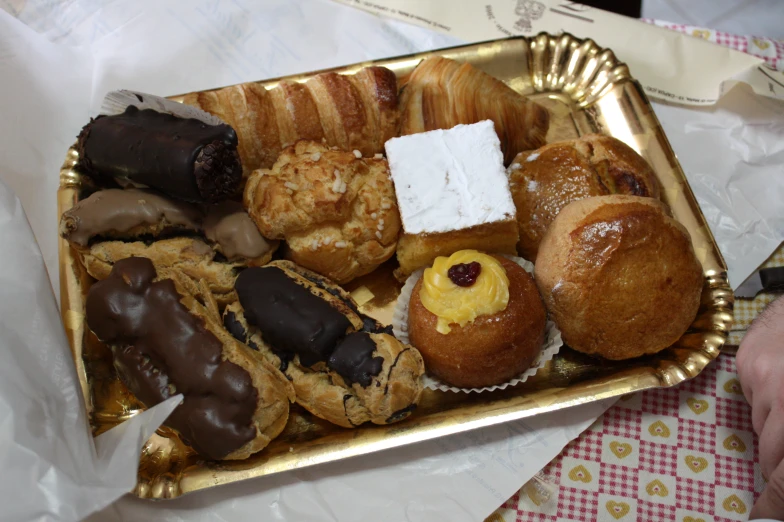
pixel 619 276
pixel 545 180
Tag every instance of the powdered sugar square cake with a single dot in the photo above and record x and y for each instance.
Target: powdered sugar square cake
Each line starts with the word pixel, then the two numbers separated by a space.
pixel 453 193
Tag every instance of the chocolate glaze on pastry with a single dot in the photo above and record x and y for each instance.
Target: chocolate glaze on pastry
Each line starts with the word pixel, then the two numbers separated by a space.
pixel 236 329
pixel 228 225
pixel 185 158
pixel 160 349
pixel 368 374
pixel 113 224
pixel 353 359
pixel 369 324
pixel 291 319
pixel 117 212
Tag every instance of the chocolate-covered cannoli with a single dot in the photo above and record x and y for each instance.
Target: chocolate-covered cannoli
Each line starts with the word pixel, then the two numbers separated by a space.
pixel 185 158
pixel 344 367
pixel 165 342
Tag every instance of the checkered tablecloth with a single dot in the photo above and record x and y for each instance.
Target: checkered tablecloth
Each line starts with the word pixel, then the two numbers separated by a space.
pixel 770 50
pixel 747 309
pixel 687 453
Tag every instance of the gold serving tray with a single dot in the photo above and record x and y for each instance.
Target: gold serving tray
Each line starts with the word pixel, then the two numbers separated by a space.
pixel 587 90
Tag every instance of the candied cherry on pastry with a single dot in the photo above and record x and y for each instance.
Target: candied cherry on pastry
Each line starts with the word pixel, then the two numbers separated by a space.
pixel 477 334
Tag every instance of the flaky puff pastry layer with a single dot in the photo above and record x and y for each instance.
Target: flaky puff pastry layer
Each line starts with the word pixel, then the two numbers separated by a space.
pixel 350 111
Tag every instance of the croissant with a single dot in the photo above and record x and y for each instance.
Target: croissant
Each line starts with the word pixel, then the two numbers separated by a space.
pixel 441 93
pixel 350 111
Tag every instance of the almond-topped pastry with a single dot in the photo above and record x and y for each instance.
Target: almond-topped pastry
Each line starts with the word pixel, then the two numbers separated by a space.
pixel 477 319
pixel 453 194
pixel 545 180
pixel 336 210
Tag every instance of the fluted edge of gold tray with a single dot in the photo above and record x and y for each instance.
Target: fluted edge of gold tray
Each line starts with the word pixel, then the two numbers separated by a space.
pixel 600 94
pixel 576 67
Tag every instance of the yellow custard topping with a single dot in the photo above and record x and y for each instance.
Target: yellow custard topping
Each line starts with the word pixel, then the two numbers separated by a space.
pixel 461 305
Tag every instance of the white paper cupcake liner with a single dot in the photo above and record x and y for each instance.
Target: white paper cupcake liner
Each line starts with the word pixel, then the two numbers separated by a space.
pixel 552 342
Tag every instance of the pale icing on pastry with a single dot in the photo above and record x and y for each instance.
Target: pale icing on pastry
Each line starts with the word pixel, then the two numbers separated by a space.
pixel 231 227
pixel 118 211
pixel 450 179
pixel 461 305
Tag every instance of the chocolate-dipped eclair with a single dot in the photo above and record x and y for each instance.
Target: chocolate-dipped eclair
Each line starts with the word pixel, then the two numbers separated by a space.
pixel 114 224
pixel 234 234
pixel 183 157
pixel 345 367
pixel 136 214
pixel 164 342
pixel 127 214
pixel 189 255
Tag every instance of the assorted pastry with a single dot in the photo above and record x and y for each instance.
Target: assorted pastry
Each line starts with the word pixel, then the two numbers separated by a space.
pixel 219 250
pixel 477 319
pixel 442 93
pixel 619 276
pixel 208 243
pixel 336 210
pixel 165 341
pixel 453 194
pixel 345 367
pixel 545 180
pixel 183 157
pixel 349 111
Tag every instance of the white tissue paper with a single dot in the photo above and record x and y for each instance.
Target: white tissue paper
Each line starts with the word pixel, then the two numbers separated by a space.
pixel 48 91
pixel 733 155
pixel 50 467
pixel 459 478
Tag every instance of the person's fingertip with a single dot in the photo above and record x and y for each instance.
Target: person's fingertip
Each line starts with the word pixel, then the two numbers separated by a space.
pixel 771 502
